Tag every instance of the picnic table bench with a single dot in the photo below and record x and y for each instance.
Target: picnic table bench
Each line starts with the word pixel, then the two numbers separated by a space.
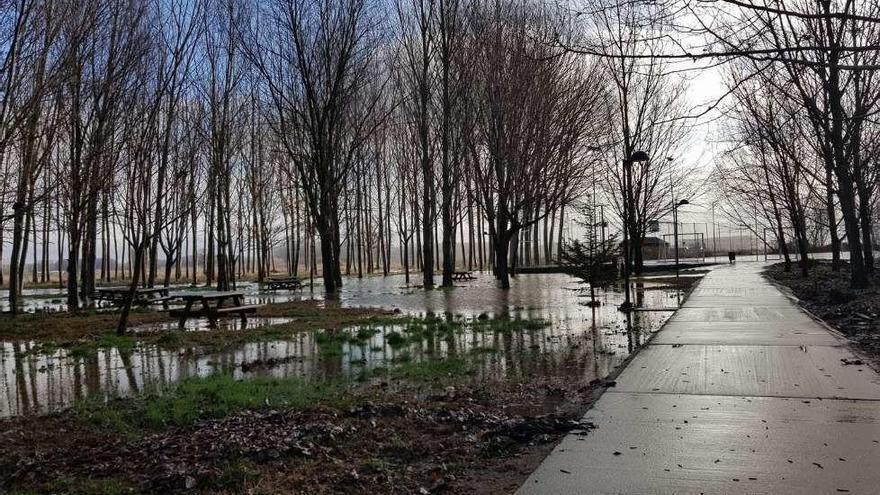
pixel 142 295
pixel 286 283
pixel 211 304
pixel 463 276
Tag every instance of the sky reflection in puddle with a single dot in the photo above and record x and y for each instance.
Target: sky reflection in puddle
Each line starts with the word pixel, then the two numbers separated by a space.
pixel 579 342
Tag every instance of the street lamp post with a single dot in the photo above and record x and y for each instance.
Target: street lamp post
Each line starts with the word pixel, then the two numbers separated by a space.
pixel 637 156
pixel 675 207
pixel 714 247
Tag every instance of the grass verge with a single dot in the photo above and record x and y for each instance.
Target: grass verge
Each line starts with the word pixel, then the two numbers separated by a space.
pixel 85 332
pixel 220 395
pixel 211 397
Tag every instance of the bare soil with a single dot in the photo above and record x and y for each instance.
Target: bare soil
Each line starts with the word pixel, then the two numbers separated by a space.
pixel 826 294
pixel 397 437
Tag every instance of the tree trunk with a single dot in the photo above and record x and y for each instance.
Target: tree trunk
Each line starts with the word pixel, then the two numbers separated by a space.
pixel 832 218
pixel 502 247
pixel 72 275
pixel 865 215
pixel 858 276
pixel 327 253
pixel 122 325
pixel 18 213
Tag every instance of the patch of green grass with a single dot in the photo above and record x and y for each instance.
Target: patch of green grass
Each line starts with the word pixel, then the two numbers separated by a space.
pixel 508 325
pixel 402 357
pixel 81 351
pixel 395 339
pixel 448 327
pixel 330 342
pixel 430 327
pixel 85 486
pixel 393 319
pixel 210 397
pixel 220 395
pixel 269 332
pixel 44 348
pixel 362 335
pixel 435 369
pixel 170 340
pixel 125 343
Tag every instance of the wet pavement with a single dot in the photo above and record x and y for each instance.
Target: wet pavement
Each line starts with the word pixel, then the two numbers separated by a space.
pixel 578 342
pixel 741 392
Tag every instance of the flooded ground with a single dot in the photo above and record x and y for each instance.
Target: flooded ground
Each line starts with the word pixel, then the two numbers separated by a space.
pixel 585 342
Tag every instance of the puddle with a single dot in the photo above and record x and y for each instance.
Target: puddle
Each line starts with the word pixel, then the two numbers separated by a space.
pixel 201 324
pixel 37 300
pixel 579 341
pixel 55 300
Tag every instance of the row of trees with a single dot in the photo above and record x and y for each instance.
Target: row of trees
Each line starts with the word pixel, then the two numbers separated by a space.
pixel 144 139
pixel 194 139
pixel 804 133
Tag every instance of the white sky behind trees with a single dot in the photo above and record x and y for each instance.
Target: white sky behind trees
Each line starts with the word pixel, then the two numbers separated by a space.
pixel 705 88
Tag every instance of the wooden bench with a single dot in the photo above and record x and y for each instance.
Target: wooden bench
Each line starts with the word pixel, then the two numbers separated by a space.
pixel 463 276
pixel 212 306
pixel 285 283
pixel 143 296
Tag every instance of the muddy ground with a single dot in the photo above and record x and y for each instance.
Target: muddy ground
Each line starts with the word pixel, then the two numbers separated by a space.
pixel 452 436
pixel 89 328
pixel 827 294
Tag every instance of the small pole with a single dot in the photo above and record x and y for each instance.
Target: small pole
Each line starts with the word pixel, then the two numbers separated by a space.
pixel 757 258
pixel 675 236
pixel 714 247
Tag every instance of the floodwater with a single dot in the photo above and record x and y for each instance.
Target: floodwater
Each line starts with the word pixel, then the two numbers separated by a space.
pixel 55 300
pixel 37 300
pixel 582 342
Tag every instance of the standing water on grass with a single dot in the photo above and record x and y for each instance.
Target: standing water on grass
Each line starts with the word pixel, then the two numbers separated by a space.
pixel 541 325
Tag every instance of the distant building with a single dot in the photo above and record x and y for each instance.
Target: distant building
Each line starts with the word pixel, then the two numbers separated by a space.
pixel 653 248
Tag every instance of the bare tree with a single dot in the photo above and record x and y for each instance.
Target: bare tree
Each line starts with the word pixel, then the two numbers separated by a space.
pixel 417 45
pixel 178 29
pixel 316 57
pixel 648 111
pixel 224 130
pixel 534 111
pixel 34 71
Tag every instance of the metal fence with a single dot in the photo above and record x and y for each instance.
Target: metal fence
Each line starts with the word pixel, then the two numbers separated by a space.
pixel 704 241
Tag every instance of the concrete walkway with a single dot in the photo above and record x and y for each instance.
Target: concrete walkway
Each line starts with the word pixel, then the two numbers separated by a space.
pixel 741 392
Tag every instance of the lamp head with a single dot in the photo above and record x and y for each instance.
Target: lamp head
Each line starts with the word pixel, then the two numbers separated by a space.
pixel 683 202
pixel 638 156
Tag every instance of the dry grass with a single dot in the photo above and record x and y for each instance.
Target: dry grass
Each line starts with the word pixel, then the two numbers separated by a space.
pixel 90 330
pixel 67 327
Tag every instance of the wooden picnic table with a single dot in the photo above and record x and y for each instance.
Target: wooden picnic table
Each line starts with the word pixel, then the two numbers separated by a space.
pixel 463 276
pixel 286 283
pixel 211 304
pixel 142 295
